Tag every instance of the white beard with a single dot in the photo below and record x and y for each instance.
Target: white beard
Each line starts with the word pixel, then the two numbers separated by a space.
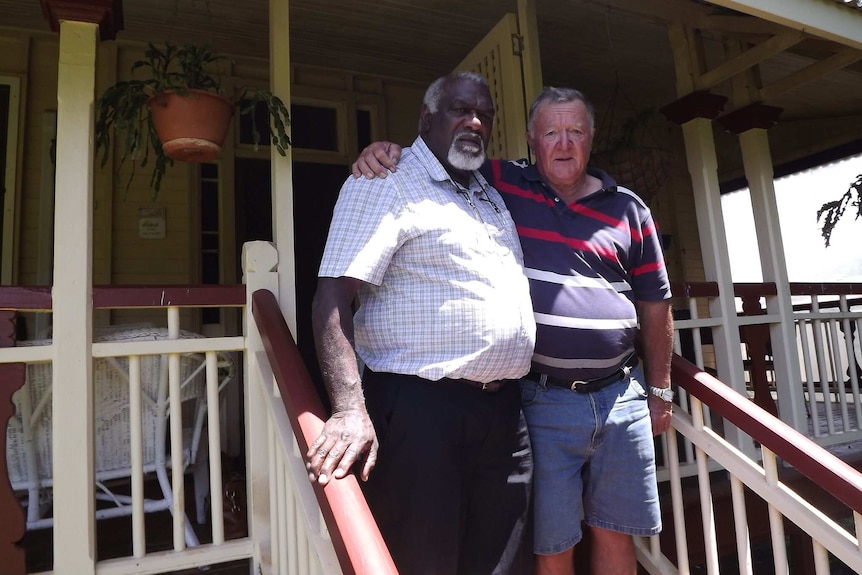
pixel 461 160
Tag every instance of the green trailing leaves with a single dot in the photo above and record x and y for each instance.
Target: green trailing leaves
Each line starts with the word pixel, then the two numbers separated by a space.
pixel 832 212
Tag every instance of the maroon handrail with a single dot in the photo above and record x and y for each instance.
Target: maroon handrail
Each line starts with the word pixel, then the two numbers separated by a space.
pixel 38 298
pixel 358 544
pixel 168 295
pixel 825 469
pixel 25 298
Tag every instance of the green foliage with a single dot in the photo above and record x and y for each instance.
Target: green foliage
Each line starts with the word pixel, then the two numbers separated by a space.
pixel 278 116
pixel 834 210
pixel 122 114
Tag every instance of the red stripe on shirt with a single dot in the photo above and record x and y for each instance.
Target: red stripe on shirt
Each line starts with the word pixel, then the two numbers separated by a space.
pixel 505 187
pixel 573 243
pixel 591 213
pixel 647 268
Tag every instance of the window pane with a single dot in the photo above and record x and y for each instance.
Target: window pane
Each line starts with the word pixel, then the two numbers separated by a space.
pixel 314 128
pixel 209 206
pixel 209 171
pixel 209 273
pixel 209 241
pixel 363 128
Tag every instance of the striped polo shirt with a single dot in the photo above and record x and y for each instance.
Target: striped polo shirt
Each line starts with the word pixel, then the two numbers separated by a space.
pixel 587 262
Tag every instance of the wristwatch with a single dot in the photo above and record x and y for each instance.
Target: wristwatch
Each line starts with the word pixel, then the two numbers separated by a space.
pixel 663 393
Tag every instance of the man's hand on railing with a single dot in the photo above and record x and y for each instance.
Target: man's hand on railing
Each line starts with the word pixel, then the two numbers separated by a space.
pixel 346 436
pixel 660 412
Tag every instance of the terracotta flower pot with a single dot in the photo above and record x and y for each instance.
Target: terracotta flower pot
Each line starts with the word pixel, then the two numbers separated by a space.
pixel 191 126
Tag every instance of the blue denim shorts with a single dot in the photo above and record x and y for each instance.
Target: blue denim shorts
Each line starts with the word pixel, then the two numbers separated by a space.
pixel 594 458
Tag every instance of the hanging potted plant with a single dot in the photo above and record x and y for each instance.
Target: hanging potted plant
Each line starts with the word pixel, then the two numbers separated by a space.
pixel 178 112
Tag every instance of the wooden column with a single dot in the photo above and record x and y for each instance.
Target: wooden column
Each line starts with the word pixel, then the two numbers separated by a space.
pixel 751 123
pixel 694 111
pixel 12 525
pixel 282 166
pixel 81 24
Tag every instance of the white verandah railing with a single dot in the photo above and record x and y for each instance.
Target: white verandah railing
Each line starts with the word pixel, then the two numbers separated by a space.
pixel 705 530
pixel 827 382
pixel 288 533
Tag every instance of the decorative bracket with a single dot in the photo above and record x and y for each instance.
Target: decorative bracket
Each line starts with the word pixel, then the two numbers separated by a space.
pixel 108 14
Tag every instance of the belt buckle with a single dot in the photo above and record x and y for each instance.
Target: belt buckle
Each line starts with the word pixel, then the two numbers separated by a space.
pixel 576 383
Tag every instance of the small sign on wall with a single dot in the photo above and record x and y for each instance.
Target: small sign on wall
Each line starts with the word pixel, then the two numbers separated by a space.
pixel 151 223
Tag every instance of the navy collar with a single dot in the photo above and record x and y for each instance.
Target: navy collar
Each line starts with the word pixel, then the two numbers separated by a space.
pixel 531 173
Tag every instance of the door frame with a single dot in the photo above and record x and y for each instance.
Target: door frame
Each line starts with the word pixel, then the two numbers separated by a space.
pixel 8 244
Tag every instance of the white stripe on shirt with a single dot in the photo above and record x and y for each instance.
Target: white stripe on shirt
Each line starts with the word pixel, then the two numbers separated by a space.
pixel 584 323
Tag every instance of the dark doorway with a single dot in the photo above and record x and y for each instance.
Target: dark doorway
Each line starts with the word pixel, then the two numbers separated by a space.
pixel 4 135
pixel 315 190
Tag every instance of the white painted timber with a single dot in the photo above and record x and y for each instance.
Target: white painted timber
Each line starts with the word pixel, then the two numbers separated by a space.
pixel 703 170
pixel 823 18
pixel 259 265
pixel 757 161
pixel 281 166
pixel 702 166
pixel 74 527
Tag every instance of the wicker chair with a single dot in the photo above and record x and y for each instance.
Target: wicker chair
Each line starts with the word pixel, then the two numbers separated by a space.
pixel 29 442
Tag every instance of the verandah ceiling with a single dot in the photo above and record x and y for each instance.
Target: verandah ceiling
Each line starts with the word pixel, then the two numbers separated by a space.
pixel 594 45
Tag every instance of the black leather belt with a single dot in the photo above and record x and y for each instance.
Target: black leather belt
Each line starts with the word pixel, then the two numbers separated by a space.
pixel 588 386
pixel 490 387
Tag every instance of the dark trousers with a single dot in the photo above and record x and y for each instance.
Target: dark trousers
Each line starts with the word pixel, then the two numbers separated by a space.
pixel 451 488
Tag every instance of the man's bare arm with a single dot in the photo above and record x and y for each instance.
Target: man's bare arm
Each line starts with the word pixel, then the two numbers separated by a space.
pixel 348 433
pixel 378 158
pixel 656 323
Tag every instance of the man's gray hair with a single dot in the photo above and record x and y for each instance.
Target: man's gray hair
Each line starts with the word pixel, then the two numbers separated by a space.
pixel 435 90
pixel 554 95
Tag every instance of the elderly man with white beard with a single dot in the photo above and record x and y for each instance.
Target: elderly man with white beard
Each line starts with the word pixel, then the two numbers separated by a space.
pixel 445 328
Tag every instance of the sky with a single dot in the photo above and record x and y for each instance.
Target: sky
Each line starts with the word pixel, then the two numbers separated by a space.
pixel 799 196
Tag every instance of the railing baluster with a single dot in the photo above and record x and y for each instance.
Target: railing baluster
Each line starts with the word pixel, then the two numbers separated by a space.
pixel 849 349
pixel 286 519
pixel 707 511
pixel 813 413
pixel 857 524
pixel 838 374
pixel 176 432
pixel 817 329
pixel 214 448
pixel 740 521
pixel 679 530
pixel 776 519
pixel 274 499
pixel 136 445
pixel 821 558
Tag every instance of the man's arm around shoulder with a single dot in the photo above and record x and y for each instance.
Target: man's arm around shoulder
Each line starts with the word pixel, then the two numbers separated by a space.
pixel 348 433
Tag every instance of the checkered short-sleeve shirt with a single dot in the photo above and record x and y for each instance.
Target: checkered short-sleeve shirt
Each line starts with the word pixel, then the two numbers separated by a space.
pixel 445 293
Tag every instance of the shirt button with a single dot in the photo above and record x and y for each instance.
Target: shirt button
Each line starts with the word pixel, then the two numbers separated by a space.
pixel 557 200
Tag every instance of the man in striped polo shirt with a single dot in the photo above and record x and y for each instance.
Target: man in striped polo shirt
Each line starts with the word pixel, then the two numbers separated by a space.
pixel 597 281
